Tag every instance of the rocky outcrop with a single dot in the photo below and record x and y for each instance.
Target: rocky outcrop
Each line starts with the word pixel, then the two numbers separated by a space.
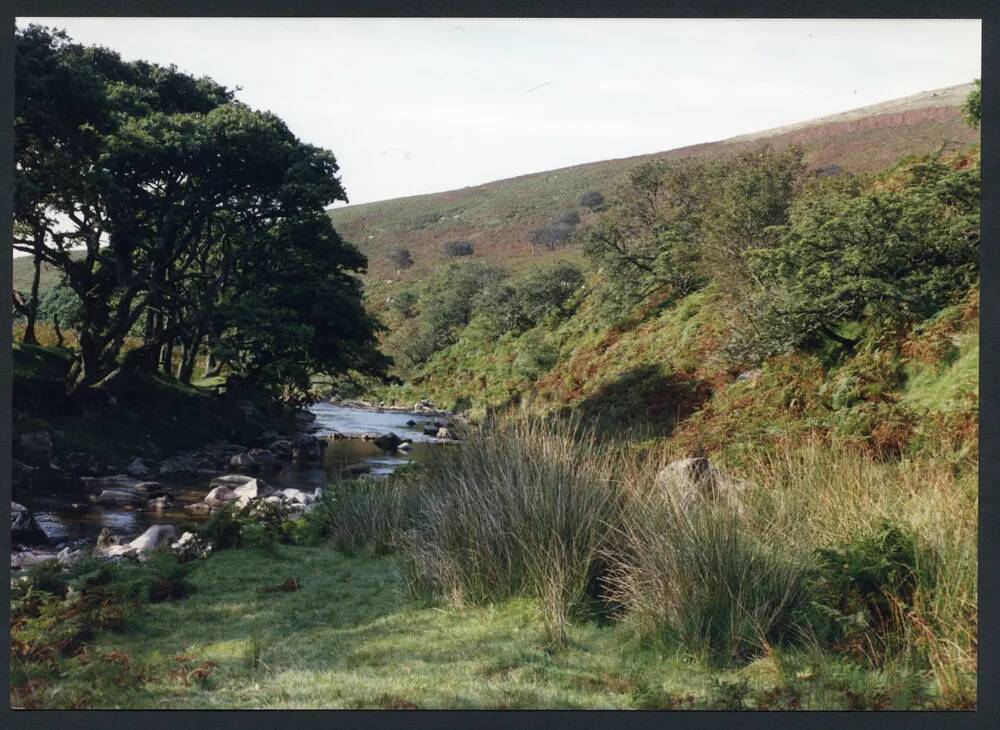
pixel 689 482
pixel 24 530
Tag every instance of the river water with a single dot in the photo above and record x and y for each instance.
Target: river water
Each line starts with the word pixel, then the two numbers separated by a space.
pixel 69 519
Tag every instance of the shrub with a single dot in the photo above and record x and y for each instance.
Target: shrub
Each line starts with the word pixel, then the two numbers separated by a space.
pixel 552 236
pixel 569 218
pixel 862 588
pixel 703 578
pixel 400 258
pixel 458 248
pixel 522 508
pixel 593 200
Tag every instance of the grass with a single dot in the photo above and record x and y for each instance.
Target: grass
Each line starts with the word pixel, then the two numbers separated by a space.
pixel 353 638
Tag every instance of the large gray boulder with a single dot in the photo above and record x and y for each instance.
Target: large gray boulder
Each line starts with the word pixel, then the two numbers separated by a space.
pixel 23 527
pixel 690 482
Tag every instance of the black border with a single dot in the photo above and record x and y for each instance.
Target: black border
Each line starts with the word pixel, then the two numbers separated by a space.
pixel 988 714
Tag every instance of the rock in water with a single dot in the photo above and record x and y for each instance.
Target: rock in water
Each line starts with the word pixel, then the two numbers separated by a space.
pixel 35 447
pixel 687 482
pixel 446 433
pixel 388 442
pixel 23 527
pixel 219 496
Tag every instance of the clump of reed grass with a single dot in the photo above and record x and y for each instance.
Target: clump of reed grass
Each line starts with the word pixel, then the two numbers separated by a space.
pixel 524 507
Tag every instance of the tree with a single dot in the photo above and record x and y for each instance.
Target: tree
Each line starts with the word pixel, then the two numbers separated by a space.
pixel 552 236
pixel 897 251
pixel 156 195
pixel 455 249
pixel 401 259
pixel 592 200
pixel 973 106
pixel 569 218
pixel 647 242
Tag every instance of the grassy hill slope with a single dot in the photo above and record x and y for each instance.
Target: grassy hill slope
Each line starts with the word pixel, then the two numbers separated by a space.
pixel 498 216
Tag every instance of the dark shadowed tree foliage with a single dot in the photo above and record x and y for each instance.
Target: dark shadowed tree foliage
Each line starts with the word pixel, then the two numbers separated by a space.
pixel 400 258
pixel 171 208
pixel 592 200
pixel 449 299
pixel 569 218
pixel 455 249
pixel 552 235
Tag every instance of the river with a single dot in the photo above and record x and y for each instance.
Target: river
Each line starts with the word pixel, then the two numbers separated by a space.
pixel 69 519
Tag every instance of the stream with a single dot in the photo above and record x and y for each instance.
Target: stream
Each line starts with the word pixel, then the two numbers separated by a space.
pixel 69 519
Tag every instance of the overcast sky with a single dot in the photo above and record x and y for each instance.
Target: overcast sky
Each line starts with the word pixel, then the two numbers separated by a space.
pixel 423 105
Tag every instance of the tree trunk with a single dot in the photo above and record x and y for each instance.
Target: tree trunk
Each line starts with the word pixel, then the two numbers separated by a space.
pixel 32 305
pixel 59 335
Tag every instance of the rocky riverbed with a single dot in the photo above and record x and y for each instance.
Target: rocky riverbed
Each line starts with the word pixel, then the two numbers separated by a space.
pixel 63 519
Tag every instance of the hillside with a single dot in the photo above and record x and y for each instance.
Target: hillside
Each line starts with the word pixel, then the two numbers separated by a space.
pixel 498 216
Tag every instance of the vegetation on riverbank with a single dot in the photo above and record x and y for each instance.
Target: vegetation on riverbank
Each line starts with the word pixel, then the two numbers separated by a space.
pixel 845 583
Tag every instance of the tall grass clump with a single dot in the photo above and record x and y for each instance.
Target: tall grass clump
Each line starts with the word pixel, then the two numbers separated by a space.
pixel 827 500
pixel 524 507
pixel 700 578
pixel 359 515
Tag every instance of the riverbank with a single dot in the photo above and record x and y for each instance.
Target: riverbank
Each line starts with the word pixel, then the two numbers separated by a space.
pixel 351 638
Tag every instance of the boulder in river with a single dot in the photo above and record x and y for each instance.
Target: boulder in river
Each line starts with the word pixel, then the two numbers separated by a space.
pixel 688 482
pixel 53 527
pixel 281 447
pixel 28 558
pixel 35 447
pixel 405 447
pixel 220 496
pixel 23 527
pixel 387 442
pixel 137 468
pixel 160 503
pixel 241 461
pixel 446 433
pixel 307 448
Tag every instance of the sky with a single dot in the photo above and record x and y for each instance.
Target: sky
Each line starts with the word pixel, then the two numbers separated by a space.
pixel 412 106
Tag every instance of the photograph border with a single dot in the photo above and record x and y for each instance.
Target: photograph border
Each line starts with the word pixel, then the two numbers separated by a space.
pixel 988 712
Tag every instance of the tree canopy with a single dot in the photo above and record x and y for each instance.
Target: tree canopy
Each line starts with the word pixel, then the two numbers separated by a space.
pixel 180 218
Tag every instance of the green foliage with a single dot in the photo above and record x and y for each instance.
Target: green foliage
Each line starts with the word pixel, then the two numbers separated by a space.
pixel 861 588
pixel 447 302
pixel 973 106
pixel 180 216
pixel 895 252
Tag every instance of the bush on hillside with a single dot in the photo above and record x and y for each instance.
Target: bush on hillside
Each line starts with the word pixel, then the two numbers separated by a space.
pixel 896 251
pixel 569 218
pixel 455 249
pixel 400 258
pixel 593 200
pixel 552 235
